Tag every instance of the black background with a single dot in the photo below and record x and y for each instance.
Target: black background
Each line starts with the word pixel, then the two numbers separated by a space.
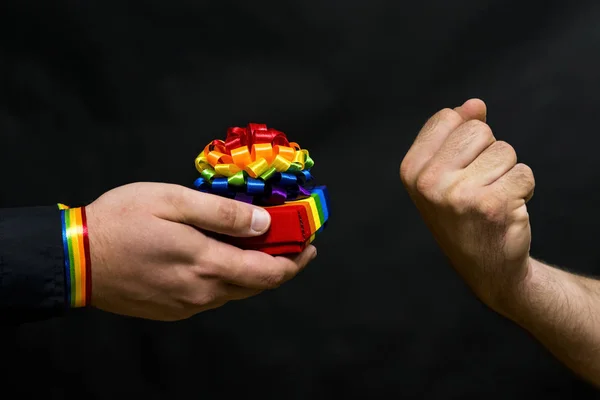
pixel 96 94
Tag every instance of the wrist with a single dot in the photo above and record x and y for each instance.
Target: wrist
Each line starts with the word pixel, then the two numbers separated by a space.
pixel 523 295
pixel 515 294
pixel 77 260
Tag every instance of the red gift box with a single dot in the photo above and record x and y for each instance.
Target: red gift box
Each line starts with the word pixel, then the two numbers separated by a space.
pixel 294 226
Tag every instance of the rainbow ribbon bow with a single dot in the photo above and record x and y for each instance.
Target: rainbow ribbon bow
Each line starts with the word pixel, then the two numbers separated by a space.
pixel 256 165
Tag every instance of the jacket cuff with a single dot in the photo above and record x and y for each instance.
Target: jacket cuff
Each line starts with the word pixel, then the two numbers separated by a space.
pixel 32 267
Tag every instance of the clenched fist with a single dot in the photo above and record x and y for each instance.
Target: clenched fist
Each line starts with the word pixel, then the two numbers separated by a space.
pixel 152 259
pixel 472 194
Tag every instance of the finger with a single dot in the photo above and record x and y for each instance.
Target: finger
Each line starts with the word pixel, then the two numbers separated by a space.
pixel 235 292
pixel 216 214
pixel 473 109
pixel 252 269
pixel 428 141
pixel 463 146
pixel 493 163
pixel 305 257
pixel 434 133
pixel 445 121
pixel 519 182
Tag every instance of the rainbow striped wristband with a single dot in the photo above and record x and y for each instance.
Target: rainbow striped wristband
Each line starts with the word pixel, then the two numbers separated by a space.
pixel 78 277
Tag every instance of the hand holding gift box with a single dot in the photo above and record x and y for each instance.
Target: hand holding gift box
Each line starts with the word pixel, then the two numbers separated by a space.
pixel 259 165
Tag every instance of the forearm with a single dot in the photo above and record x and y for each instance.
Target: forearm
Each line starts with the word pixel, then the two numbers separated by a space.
pixel 562 310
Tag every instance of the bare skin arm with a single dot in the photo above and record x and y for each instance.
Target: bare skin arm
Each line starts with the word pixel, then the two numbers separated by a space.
pixel 562 310
pixel 472 194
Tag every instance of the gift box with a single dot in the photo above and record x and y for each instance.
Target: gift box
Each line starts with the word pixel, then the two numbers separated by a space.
pixel 259 165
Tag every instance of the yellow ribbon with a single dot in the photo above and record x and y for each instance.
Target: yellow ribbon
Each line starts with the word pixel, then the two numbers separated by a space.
pixel 262 160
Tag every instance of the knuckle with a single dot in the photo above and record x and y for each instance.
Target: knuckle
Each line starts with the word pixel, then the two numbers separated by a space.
pixel 269 274
pixel 506 150
pixel 405 171
pixel 444 116
pixel 521 214
pixel 526 174
pixel 426 185
pixel 227 213
pixel 459 200
pixel 480 128
pixel 449 115
pixel 204 299
pixel 204 264
pixel 492 209
pixel 274 278
pixel 175 197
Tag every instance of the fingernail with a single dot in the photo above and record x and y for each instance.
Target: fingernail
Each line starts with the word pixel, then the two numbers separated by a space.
pixel 260 220
pixel 314 255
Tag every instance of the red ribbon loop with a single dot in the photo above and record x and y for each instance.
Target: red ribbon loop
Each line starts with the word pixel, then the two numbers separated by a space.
pixel 253 134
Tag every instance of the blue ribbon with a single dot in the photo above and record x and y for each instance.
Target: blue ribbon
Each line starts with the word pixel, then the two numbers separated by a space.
pixel 277 189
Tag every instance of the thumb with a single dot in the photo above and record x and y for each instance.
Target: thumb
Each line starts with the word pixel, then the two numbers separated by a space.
pixel 473 109
pixel 217 214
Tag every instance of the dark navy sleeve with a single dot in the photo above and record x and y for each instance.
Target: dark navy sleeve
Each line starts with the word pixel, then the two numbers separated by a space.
pixel 32 277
